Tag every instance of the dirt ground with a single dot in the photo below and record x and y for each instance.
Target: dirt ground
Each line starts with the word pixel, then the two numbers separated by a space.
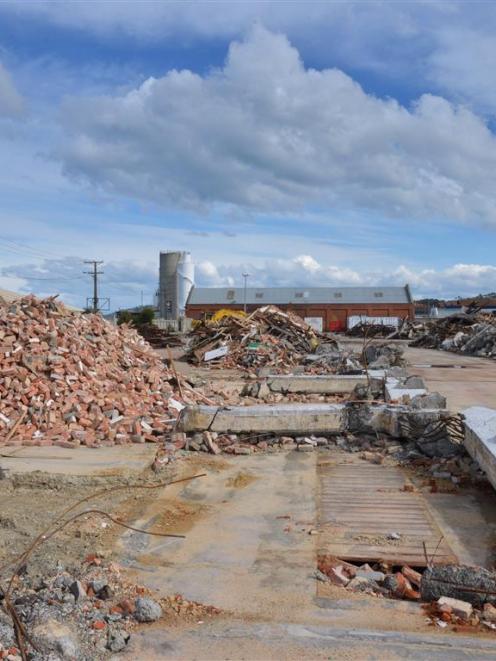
pixel 31 502
pixel 248 551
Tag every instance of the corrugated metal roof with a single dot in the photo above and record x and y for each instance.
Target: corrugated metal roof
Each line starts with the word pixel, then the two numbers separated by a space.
pixel 298 295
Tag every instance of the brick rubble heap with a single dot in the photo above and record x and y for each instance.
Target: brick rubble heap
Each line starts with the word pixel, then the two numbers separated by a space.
pixel 69 379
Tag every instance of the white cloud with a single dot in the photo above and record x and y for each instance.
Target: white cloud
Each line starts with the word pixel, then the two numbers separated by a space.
pixel 462 64
pixel 452 281
pixel 266 134
pixel 124 280
pixel 11 103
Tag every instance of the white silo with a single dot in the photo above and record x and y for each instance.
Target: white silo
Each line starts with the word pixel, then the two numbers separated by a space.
pixel 185 280
pixel 176 278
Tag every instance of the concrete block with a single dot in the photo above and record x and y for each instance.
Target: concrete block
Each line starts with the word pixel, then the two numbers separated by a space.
pixel 397 393
pixel 458 607
pixel 430 400
pixel 283 418
pixel 196 418
pixel 480 438
pixel 297 419
pixel 326 383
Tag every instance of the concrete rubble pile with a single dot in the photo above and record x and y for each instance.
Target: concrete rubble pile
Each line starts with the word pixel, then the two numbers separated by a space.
pixel 268 336
pixel 383 356
pixel 87 613
pixel 473 334
pixel 72 379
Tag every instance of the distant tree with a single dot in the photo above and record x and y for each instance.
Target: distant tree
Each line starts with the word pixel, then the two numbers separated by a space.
pixel 145 316
pixel 124 317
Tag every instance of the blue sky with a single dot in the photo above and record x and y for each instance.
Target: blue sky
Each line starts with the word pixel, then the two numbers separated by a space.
pixel 305 143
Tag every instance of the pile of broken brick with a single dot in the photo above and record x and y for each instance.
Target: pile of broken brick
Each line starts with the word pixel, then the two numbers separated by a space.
pixel 268 336
pixel 461 595
pixel 74 379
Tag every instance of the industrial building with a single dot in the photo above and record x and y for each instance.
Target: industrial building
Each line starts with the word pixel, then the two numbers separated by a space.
pixel 176 278
pixel 326 308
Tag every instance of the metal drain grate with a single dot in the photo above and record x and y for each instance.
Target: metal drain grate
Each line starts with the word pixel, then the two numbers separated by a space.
pixel 362 503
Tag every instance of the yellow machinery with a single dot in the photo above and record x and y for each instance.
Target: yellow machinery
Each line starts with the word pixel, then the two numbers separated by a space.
pixel 225 312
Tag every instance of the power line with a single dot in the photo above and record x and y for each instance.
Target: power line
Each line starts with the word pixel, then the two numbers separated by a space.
pixel 57 279
pixel 15 246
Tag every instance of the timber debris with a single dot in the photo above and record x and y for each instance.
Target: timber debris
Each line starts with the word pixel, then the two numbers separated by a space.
pixel 268 336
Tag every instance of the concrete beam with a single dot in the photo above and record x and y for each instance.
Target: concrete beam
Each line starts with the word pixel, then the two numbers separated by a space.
pixel 296 419
pixel 480 438
pixel 196 418
pixel 325 384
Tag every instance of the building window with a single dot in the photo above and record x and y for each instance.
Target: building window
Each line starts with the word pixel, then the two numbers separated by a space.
pixel 378 294
pixel 230 294
pixel 259 294
pixel 299 294
pixel 338 294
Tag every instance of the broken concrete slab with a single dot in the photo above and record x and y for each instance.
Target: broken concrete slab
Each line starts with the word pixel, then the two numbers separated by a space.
pixel 197 418
pixel 475 585
pixel 78 461
pixel 297 419
pixel 396 421
pixel 396 393
pixel 480 438
pixel 326 383
pixel 429 400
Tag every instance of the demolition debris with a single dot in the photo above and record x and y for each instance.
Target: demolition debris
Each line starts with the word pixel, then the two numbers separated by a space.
pixel 468 333
pixel 268 336
pixel 71 379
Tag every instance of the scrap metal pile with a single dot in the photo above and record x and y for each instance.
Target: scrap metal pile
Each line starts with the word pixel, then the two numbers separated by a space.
pixel 473 334
pixel 267 337
pixel 368 330
pixel 69 379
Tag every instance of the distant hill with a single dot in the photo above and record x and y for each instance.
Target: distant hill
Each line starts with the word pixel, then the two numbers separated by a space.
pixel 486 300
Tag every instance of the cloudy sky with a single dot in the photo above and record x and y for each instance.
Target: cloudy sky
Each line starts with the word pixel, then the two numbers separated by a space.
pixel 304 143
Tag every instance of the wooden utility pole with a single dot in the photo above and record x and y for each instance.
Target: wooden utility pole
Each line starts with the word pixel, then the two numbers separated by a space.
pixel 95 301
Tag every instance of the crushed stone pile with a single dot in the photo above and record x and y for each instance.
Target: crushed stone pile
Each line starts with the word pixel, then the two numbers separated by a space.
pixel 69 379
pixel 473 334
pixel 267 337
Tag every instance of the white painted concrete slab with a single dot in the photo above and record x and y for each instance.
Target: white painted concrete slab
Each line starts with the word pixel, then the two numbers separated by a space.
pixel 480 438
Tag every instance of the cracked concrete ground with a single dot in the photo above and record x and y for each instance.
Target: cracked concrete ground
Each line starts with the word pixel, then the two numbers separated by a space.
pixel 250 552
